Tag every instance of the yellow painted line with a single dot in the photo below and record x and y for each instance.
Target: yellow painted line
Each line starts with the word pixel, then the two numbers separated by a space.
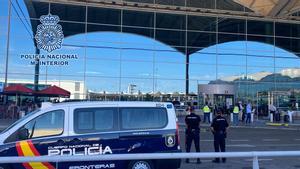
pixel 277 124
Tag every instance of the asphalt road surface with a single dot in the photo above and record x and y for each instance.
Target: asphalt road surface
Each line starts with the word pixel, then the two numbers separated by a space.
pixel 249 139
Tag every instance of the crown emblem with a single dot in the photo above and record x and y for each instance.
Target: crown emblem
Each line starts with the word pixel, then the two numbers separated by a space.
pixel 49 19
pixel 49 35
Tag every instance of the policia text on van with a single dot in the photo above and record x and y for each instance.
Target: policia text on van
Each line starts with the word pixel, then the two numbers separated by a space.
pixel 94 128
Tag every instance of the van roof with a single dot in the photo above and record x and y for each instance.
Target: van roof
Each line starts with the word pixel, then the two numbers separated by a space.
pixel 94 103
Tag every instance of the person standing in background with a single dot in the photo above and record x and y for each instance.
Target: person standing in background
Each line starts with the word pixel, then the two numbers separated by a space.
pixel 236 112
pixel 248 112
pixel 219 128
pixel 206 111
pixel 192 132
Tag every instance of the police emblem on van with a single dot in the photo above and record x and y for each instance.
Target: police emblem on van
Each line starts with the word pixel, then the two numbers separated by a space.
pixel 49 35
pixel 170 140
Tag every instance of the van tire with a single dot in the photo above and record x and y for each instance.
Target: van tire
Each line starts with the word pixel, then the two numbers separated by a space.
pixel 140 164
pixel 4 167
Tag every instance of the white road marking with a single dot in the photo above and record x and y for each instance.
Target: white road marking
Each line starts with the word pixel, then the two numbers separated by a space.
pixel 271 139
pixel 266 159
pixel 206 140
pixel 240 145
pixel 277 145
pixel 239 140
pixel 202 161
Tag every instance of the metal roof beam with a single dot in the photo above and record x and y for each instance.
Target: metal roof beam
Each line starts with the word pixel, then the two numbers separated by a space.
pixel 279 8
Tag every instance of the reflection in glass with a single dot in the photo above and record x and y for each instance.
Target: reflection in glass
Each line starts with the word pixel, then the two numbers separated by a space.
pixel 287 29
pixel 231 25
pixel 260 27
pixel 170 37
pixel 201 39
pixel 68 12
pixel 171 21
pixel 202 23
pixel 104 16
pixel 137 18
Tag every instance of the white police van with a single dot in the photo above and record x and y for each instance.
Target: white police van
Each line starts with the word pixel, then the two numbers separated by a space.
pixel 94 128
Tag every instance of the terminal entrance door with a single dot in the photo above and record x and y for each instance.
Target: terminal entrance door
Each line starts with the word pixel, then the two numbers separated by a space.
pixel 224 101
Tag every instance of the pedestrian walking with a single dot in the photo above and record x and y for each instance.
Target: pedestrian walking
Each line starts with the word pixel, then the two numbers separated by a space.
pixel 236 112
pixel 248 113
pixel 273 110
pixel 192 132
pixel 219 128
pixel 241 108
pixel 206 111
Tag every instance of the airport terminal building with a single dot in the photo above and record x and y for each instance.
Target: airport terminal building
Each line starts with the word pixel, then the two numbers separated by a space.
pixel 212 51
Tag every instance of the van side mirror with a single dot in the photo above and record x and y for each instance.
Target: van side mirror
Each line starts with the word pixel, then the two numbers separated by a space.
pixel 23 134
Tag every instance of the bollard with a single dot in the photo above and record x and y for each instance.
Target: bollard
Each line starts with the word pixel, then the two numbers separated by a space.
pixel 271 118
pixel 290 118
pixel 255 163
pixel 210 117
pixel 290 113
pixel 231 117
pixel 252 117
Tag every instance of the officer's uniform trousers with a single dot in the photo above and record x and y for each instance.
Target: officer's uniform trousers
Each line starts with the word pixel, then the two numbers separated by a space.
pixel 219 141
pixel 193 135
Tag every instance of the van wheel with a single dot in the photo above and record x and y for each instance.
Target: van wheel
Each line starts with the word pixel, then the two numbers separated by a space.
pixel 140 165
pixel 4 167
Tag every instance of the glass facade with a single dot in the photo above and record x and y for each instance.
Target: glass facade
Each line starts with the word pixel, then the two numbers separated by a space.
pixel 126 54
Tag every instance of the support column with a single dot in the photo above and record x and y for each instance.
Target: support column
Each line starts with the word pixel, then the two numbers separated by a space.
pixel 7 43
pixel 36 73
pixel 187 82
pixel 7 49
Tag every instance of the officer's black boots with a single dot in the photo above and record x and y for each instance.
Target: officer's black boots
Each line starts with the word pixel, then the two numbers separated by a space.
pixel 198 161
pixel 188 161
pixel 217 160
pixel 224 160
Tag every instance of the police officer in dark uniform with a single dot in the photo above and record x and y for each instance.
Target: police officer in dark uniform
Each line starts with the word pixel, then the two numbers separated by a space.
pixel 192 132
pixel 219 128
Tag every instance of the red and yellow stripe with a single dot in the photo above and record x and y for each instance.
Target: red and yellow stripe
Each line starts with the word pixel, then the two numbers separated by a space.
pixel 27 149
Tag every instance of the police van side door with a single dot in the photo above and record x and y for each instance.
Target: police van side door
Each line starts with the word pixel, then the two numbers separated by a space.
pixel 93 131
pixel 142 129
pixel 37 136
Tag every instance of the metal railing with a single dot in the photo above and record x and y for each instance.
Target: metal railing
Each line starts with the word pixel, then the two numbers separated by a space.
pixel 152 156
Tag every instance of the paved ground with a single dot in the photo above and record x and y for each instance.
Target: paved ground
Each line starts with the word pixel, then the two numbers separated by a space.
pixel 251 139
pixel 4 123
pixel 255 137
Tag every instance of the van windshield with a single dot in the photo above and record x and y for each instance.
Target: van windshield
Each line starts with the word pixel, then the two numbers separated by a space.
pixel 20 120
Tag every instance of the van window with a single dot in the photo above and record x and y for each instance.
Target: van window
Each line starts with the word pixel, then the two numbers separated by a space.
pixel 143 118
pixel 91 120
pixel 45 125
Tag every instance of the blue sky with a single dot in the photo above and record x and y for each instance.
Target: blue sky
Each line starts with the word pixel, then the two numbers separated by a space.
pixel 103 67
